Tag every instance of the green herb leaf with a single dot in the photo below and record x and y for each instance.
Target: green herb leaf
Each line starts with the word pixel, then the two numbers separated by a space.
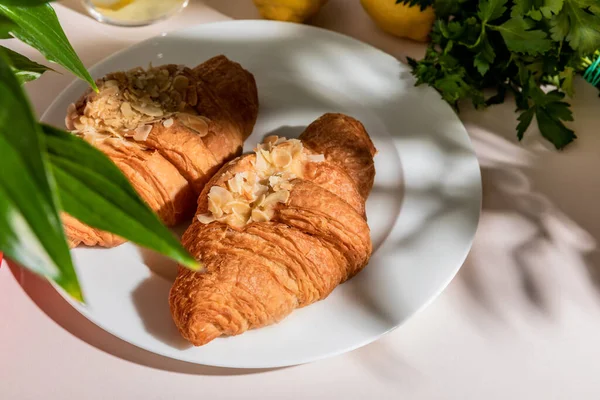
pixel 579 24
pixel 485 57
pixel 566 84
pixel 24 69
pixel 520 39
pixel 39 27
pixel 553 129
pixel 92 189
pixel 550 112
pixel 32 233
pixel 490 10
pixel 551 7
pixel 524 122
pixel 536 9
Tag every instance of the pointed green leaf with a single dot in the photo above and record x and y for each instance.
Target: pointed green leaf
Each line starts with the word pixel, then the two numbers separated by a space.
pixel 6 25
pixel 524 122
pixel 567 81
pixel 92 189
pixel 520 39
pixel 30 229
pixel 24 3
pixel 579 24
pixel 485 57
pixel 490 10
pixel 39 27
pixel 553 129
pixel 24 69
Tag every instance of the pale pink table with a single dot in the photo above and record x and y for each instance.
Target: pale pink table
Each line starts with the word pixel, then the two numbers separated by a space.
pixel 521 320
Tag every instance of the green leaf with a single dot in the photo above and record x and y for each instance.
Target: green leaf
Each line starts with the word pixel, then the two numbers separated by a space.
pixel 445 8
pixel 24 3
pixel 521 8
pixel 92 189
pixel 553 129
pixel 520 39
pixel 485 57
pixel 24 69
pixel 490 10
pixel 39 27
pixel 30 230
pixel 6 25
pixel 536 9
pixel 566 77
pixel 579 24
pixel 551 7
pixel 524 122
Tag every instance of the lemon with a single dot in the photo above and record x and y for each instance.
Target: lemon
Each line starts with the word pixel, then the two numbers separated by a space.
pixel 288 10
pixel 400 19
pixel 113 5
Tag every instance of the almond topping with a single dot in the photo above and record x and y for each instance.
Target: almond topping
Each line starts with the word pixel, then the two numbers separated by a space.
pixel 251 196
pixel 316 157
pixel 195 123
pixel 205 218
pixel 142 132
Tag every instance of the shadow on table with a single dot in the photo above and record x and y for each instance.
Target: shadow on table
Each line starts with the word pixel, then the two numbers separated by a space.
pixel 538 240
pixel 61 312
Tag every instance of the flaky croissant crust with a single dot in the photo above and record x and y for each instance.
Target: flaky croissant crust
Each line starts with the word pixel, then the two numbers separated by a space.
pixel 170 144
pixel 259 273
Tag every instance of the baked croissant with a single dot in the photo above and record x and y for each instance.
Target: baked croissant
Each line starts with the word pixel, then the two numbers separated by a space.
pixel 168 129
pixel 277 230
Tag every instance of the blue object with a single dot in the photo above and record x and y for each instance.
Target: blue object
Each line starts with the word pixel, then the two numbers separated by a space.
pixel 592 74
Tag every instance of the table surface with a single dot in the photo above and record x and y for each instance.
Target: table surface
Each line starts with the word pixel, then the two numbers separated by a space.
pixel 520 321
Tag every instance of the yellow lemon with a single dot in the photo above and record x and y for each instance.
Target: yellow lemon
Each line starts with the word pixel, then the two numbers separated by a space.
pixel 288 10
pixel 400 19
pixel 113 5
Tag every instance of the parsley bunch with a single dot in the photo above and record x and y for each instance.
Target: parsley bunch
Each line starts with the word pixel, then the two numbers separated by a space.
pixel 512 46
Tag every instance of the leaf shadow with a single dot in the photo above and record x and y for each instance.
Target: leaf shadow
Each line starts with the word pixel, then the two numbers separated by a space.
pixel 537 243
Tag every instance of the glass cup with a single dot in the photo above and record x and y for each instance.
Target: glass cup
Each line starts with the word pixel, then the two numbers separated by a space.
pixel 133 12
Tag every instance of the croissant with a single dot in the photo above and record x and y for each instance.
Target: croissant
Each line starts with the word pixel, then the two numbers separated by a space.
pixel 169 129
pixel 277 230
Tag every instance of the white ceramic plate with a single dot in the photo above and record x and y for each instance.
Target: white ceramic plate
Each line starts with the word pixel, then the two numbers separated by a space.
pixel 423 210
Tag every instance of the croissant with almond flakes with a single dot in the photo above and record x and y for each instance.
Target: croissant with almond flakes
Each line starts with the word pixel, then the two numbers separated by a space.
pixel 277 230
pixel 169 129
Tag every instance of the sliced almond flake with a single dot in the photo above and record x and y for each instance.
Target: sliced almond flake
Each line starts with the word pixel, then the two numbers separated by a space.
pixel 266 155
pixel 126 110
pixel 316 158
pixel 205 218
pixel 220 195
pixel 148 109
pixel 281 196
pixel 259 201
pixel 280 140
pixel 281 157
pixel 271 139
pixel 69 123
pixel 234 185
pixel 194 122
pixel 240 207
pixel 142 132
pixel 214 208
pixel 261 163
pixel 260 215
